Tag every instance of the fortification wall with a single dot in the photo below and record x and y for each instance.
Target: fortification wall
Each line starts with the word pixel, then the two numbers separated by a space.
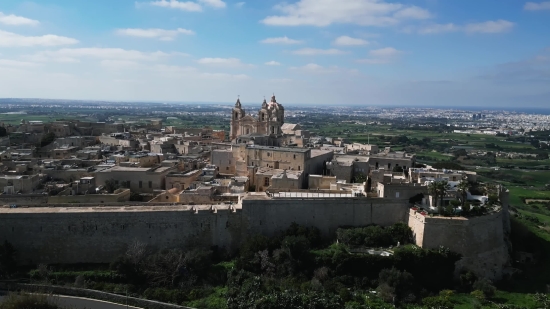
pixel 99 235
pixel 270 216
pixel 480 240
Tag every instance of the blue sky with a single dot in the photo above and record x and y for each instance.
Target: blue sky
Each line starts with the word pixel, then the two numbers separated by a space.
pixel 367 52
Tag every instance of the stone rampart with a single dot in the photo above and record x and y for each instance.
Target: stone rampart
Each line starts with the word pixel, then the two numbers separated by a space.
pixel 99 234
pixel 480 240
pixel 270 216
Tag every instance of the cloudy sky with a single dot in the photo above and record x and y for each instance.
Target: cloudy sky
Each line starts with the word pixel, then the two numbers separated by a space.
pixel 368 52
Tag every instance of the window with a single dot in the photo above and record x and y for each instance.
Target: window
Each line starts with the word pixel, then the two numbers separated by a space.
pixel 298 167
pixel 266 181
pixel 140 184
pixel 227 168
pixel 150 184
pixel 294 156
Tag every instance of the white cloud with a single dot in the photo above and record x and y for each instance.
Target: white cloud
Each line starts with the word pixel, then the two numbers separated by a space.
pixel 16 63
pixel 161 34
pixel 9 39
pixel 315 68
pixel 226 62
pixel 224 76
pixel 180 5
pixel 438 28
pixel 309 67
pixel 381 56
pixel 102 53
pixel 272 63
pixel 497 26
pixel 323 13
pixel 316 51
pixel 240 4
pixel 189 6
pixel 14 20
pixel 413 12
pixel 118 64
pixel 533 6
pixel 219 4
pixel 281 40
pixel 349 41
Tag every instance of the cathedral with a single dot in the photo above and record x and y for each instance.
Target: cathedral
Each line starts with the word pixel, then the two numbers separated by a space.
pixel 266 129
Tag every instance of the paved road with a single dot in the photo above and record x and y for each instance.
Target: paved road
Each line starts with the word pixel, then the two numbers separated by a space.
pixel 84 303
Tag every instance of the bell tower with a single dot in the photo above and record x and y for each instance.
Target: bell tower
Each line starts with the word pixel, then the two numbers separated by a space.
pixel 236 115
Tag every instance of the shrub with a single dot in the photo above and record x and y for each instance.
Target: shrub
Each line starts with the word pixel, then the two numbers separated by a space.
pixel 486 287
pixel 477 294
pixel 437 302
pixel 27 301
pixel 375 236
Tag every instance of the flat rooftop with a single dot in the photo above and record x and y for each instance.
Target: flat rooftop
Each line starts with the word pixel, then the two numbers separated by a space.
pixel 286 149
pixel 136 169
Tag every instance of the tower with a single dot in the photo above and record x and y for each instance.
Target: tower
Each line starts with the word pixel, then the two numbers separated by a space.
pixel 236 115
pixel 276 114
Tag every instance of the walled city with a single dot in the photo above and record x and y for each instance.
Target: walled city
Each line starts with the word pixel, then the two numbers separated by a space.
pixel 81 192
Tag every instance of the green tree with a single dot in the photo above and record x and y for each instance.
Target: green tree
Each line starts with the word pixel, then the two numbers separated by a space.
pixel 47 139
pixel 442 188
pixel 359 178
pixel 111 185
pixel 486 287
pixel 398 169
pixel 434 191
pixel 462 189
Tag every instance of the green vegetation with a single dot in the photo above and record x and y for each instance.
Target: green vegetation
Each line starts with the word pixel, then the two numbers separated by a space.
pixel 47 139
pixel 27 301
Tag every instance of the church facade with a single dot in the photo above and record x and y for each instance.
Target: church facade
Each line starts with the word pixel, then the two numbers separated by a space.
pixel 268 125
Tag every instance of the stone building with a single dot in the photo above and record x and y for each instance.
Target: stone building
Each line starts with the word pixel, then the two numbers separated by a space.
pixel 270 119
pixel 138 179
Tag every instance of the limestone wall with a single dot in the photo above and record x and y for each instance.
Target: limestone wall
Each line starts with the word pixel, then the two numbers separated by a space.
pixel 480 240
pixel 270 216
pixel 65 235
